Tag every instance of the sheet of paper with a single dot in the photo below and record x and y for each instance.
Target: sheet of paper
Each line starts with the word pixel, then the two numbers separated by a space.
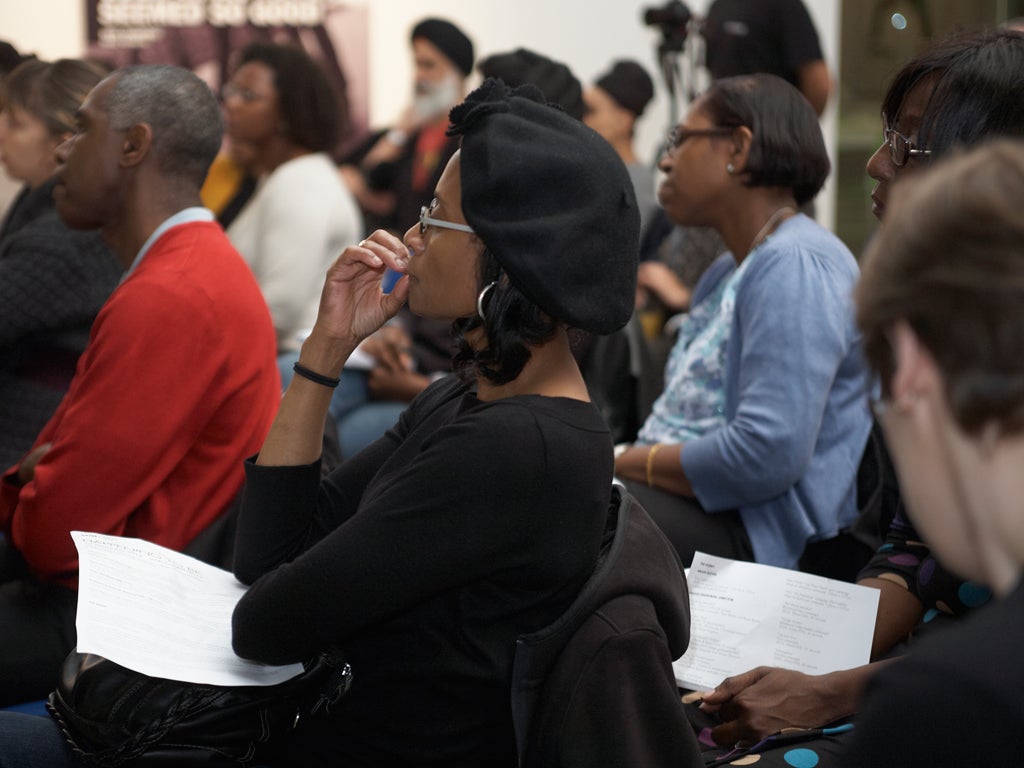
pixel 746 614
pixel 162 613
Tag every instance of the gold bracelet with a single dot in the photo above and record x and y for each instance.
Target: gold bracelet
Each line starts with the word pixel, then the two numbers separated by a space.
pixel 650 463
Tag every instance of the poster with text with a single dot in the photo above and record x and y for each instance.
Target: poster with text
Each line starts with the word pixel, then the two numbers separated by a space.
pixel 206 36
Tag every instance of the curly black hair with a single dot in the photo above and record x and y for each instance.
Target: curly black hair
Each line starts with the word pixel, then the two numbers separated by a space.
pixel 511 324
pixel 315 115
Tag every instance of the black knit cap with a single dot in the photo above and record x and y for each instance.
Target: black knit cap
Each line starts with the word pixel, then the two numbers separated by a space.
pixel 523 66
pixel 629 84
pixel 449 39
pixel 552 201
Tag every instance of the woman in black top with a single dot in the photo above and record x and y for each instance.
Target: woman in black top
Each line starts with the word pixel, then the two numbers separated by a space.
pixel 479 516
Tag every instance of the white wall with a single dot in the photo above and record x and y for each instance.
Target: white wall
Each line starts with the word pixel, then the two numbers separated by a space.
pixel 48 28
pixel 585 34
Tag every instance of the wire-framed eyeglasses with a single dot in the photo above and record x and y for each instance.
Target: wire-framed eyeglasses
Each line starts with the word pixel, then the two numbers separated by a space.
pixel 901 148
pixel 678 135
pixel 426 220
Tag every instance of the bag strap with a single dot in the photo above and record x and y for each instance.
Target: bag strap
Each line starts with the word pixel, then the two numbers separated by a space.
pixel 139 742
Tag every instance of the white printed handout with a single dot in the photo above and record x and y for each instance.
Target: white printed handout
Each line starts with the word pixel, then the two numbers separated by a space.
pixel 744 615
pixel 162 613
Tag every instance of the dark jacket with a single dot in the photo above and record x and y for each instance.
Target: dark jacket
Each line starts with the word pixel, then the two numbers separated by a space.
pixel 53 281
pixel 596 687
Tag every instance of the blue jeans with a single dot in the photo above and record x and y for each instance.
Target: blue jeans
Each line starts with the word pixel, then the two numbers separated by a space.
pixel 29 741
pixel 363 425
pixel 37 630
pixel 350 394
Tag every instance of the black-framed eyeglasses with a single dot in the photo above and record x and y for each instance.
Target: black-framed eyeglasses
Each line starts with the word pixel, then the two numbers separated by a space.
pixel 678 135
pixel 426 220
pixel 901 148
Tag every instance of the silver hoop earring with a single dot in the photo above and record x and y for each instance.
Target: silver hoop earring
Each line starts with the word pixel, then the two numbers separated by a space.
pixel 480 300
pixel 730 168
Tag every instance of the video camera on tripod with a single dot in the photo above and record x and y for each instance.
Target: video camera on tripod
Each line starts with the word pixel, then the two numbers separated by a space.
pixel 673 20
pixel 680 38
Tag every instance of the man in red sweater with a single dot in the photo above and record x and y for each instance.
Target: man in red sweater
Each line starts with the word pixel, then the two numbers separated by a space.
pixel 177 385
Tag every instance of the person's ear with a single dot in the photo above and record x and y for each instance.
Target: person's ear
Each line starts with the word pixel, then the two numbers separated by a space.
pixel 915 371
pixel 137 142
pixel 739 147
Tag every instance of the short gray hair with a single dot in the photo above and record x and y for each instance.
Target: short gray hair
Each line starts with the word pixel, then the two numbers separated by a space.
pixel 181 110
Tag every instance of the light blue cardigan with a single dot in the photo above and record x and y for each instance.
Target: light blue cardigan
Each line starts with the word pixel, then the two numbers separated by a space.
pixel 796 385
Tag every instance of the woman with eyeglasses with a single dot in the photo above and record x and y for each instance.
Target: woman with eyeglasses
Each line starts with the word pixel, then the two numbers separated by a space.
pixel 283 120
pixel 965 90
pixel 752 449
pixel 957 93
pixel 478 516
pixel 953 416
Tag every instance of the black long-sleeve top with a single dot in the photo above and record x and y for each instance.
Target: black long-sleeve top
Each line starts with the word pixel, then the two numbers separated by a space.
pixel 424 558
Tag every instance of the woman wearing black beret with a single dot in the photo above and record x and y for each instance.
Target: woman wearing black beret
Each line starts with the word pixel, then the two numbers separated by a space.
pixel 480 515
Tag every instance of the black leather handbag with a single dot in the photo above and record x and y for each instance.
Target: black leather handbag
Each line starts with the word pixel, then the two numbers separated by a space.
pixel 112 716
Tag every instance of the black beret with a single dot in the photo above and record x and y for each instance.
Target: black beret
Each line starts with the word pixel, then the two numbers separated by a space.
pixel 449 39
pixel 552 201
pixel 629 84
pixel 523 66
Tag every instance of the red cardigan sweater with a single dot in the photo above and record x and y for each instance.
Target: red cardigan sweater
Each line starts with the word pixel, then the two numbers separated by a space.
pixel 177 385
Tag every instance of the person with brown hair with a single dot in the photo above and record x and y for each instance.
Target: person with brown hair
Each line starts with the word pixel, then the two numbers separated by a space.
pixel 952 409
pixel 53 280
